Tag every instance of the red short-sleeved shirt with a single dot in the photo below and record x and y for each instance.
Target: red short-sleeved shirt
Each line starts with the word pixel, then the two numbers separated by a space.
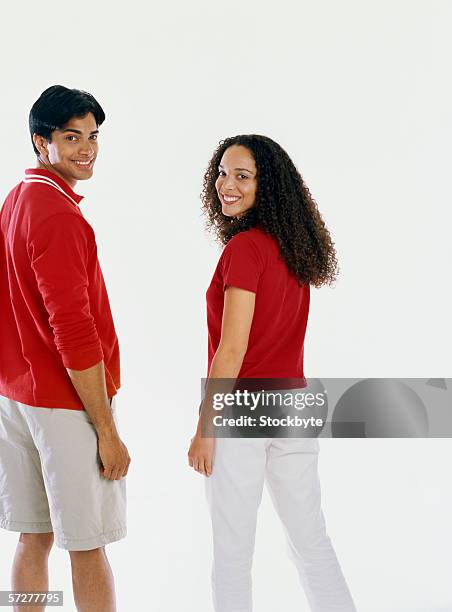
pixel 251 260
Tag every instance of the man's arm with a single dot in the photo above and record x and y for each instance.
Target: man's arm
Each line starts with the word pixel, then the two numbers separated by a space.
pixel 90 386
pixel 59 251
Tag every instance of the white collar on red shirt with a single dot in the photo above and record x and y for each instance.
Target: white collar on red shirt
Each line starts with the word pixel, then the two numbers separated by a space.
pixel 41 175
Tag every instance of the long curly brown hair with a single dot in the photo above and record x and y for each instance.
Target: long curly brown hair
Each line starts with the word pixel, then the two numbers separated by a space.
pixel 284 208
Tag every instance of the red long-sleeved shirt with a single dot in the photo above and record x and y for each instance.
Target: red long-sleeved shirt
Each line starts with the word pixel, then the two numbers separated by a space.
pixel 54 308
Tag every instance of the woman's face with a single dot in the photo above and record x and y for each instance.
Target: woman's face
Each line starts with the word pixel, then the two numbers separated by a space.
pixel 236 183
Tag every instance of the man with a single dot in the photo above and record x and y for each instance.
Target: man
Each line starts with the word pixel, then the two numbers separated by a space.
pixel 62 462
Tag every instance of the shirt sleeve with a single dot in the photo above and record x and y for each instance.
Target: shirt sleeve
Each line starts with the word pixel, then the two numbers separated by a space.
pixel 59 252
pixel 242 263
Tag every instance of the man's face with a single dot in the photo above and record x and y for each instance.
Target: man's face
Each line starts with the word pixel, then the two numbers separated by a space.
pixel 72 151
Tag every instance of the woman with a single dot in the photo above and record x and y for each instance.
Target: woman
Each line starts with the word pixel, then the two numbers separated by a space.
pixel 277 245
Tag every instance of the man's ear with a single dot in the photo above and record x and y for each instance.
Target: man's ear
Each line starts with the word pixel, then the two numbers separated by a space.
pixel 41 143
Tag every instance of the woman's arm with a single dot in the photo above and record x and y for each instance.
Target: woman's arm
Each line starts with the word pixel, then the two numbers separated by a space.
pixel 238 311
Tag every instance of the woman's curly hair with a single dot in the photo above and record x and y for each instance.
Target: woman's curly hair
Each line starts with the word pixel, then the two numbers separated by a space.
pixel 284 208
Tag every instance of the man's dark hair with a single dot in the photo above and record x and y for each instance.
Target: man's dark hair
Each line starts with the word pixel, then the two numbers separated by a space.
pixel 56 106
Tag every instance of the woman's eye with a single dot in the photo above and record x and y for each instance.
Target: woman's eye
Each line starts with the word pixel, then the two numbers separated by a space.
pixel 221 173
pixel 242 176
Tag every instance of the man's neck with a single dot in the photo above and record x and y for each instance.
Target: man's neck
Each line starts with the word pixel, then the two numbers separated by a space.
pixel 72 183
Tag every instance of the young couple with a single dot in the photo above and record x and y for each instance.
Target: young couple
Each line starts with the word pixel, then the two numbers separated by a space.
pixel 63 465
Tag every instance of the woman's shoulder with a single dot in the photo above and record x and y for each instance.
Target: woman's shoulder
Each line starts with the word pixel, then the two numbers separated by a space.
pixel 253 244
pixel 255 236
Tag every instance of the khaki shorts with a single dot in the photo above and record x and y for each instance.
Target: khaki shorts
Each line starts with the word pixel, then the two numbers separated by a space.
pixel 50 478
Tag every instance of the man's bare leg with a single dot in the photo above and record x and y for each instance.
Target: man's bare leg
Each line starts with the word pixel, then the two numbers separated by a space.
pixel 92 580
pixel 30 566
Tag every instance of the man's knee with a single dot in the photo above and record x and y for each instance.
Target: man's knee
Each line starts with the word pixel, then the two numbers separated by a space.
pixel 37 542
pixel 82 556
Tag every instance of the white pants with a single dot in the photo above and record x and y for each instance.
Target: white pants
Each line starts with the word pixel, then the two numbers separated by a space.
pixel 234 492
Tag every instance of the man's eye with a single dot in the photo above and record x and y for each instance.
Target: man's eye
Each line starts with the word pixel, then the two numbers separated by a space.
pixel 71 138
pixel 94 137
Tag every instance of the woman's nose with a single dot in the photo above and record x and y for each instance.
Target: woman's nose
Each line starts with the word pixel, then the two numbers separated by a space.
pixel 228 182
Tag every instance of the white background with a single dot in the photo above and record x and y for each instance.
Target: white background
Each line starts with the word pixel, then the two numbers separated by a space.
pixel 359 94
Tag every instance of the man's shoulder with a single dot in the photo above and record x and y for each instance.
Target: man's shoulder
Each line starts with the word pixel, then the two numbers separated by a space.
pixel 42 204
pixel 42 213
pixel 42 198
pixel 35 202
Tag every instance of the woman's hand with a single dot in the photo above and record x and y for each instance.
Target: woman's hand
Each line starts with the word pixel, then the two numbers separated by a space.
pixel 200 454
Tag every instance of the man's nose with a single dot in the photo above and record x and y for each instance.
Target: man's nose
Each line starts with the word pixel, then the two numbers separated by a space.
pixel 86 148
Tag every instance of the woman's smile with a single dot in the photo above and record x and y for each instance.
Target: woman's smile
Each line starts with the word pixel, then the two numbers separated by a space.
pixel 228 199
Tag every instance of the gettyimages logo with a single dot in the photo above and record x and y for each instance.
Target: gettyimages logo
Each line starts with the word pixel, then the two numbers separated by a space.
pixel 330 407
pixel 270 399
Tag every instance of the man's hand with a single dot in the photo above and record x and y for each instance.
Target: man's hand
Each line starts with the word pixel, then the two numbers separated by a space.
pixel 114 456
pixel 90 386
pixel 200 454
